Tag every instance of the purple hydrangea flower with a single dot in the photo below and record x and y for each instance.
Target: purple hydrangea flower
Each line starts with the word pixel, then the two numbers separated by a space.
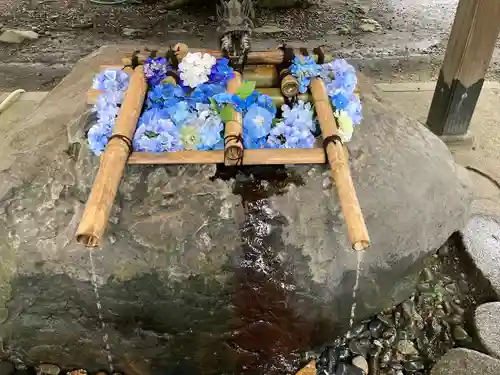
pixel 155 70
pixel 354 109
pixel 339 75
pixel 98 136
pixel 111 80
pixel 156 133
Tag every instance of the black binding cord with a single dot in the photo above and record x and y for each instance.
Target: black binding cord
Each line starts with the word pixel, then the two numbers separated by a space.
pixel 125 139
pixel 318 51
pixel 330 139
pixel 153 53
pixel 237 138
pixel 134 61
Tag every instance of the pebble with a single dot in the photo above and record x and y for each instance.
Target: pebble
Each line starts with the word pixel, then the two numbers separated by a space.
pixel 460 334
pixel 48 369
pixel 357 347
pixel 406 347
pixel 412 366
pixel 345 369
pixel 12 36
pixel 361 363
pixel 369 25
pixel 376 328
pixel 7 368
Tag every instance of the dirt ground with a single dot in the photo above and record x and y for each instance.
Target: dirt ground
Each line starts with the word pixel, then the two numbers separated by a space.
pixel 71 29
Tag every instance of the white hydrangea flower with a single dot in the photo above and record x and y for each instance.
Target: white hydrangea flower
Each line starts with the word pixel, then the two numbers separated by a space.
pixel 195 68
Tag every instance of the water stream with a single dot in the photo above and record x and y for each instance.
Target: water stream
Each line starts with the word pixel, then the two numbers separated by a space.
pixel 355 288
pixel 107 348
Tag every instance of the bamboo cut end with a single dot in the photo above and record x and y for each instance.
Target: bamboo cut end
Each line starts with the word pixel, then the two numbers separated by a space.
pixel 88 240
pixel 233 154
pixel 361 245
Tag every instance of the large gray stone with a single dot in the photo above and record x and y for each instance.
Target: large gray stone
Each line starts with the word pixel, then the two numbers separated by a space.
pixel 487 321
pixel 466 362
pixel 482 241
pixel 204 274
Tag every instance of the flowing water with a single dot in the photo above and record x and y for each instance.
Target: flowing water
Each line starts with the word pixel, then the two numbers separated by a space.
pixel 355 289
pixel 107 348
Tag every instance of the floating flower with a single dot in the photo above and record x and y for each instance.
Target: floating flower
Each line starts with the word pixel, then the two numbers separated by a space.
pixel 204 92
pixel 111 80
pixel 181 113
pixel 221 72
pixel 257 122
pixel 339 75
pixel 98 136
pixel 346 128
pixel 190 137
pixel 227 98
pixel 300 115
pixel 340 100
pixel 304 68
pixel 156 133
pixel 164 95
pixel 354 109
pixel 195 68
pixel 155 70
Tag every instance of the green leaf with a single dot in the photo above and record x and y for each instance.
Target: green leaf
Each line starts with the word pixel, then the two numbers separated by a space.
pixel 213 105
pixel 226 113
pixel 246 89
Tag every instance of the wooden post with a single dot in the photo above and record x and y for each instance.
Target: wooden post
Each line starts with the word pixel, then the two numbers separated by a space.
pixel 470 48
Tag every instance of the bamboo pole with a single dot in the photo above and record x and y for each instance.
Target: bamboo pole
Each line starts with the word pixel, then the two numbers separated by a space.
pixel 233 130
pixel 356 227
pixel 273 57
pixel 263 75
pixel 96 215
pixel 251 157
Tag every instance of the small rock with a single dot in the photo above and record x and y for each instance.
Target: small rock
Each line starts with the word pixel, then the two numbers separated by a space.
pixel 327 183
pixel 48 369
pixel 369 25
pixel 487 322
pixel 345 369
pixel 17 36
pixel 460 334
pixel 268 29
pixel 7 368
pixel 361 363
pixel 406 347
pixel 359 347
pixel 126 31
pixel 413 365
pixel 376 328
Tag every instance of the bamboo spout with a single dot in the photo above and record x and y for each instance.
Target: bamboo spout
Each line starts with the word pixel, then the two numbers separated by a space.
pixel 96 215
pixel 355 222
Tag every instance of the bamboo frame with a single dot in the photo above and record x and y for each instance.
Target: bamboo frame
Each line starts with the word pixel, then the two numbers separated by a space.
pixel 116 154
pixel 233 130
pixel 273 57
pixel 355 222
pixel 96 215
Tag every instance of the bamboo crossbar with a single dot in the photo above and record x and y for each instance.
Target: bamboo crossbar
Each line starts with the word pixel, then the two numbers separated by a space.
pixel 355 222
pixel 287 156
pixel 273 57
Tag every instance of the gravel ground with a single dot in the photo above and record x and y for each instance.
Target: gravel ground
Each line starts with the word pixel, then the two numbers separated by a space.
pixel 359 29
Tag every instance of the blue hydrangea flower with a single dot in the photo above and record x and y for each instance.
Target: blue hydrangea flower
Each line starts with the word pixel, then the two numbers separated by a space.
pixel 155 70
pixel 156 133
pixel 227 98
pixel 262 100
pixel 257 122
pixel 180 113
pixel 340 100
pixel 204 92
pixel 221 72
pixel 339 75
pixel 300 115
pixel 354 109
pixel 304 68
pixel 98 136
pixel 251 143
pixel 164 95
pixel 111 80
